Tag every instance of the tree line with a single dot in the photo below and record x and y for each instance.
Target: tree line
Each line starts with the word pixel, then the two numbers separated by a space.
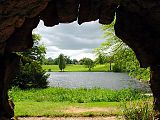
pixel 68 60
pixel 50 61
pixel 63 60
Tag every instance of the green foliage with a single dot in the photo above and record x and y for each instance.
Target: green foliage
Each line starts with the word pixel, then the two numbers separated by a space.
pixel 55 61
pixel 31 75
pixel 75 61
pixel 50 61
pixel 80 95
pixel 62 62
pixel 67 59
pixel 121 55
pixel 82 61
pixel 101 59
pixel 37 52
pixel 89 63
pixel 141 110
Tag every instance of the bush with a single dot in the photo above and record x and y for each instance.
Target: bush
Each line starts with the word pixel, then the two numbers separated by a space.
pixel 138 111
pixel 116 68
pixel 30 75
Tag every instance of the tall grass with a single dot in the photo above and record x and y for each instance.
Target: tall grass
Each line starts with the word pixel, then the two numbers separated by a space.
pixel 139 110
pixel 80 95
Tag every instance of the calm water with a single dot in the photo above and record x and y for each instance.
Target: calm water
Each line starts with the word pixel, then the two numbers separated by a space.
pixel 108 80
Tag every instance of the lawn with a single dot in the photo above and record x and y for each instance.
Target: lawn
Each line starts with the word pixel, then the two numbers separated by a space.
pixel 77 68
pixel 79 95
pixel 66 109
pixel 56 102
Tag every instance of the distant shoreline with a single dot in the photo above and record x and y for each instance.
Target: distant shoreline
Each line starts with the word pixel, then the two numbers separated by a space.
pixel 76 68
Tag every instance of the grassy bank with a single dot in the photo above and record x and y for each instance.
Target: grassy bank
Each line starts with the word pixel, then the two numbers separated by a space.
pixel 70 102
pixel 77 68
pixel 80 95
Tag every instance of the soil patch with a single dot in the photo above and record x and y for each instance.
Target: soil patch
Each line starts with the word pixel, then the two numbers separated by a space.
pixel 95 109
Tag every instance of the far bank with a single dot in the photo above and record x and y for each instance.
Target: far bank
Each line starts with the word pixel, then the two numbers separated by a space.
pixel 77 68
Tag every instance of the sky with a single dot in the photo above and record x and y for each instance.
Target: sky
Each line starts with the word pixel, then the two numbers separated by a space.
pixel 76 41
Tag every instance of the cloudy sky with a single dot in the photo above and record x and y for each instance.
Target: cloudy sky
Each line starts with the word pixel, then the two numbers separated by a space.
pixel 76 41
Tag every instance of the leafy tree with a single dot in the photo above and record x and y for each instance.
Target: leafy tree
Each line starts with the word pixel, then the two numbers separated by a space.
pixel 123 57
pixel 74 61
pixel 31 74
pixel 67 59
pixel 82 61
pixel 37 52
pixel 101 59
pixel 62 62
pixel 56 61
pixel 89 63
pixel 49 61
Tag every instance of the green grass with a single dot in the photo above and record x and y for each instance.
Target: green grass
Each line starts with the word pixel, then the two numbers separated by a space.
pixel 138 110
pixel 77 68
pixel 52 109
pixel 54 102
pixel 80 95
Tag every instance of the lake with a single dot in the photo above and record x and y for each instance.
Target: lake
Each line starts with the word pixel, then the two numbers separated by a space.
pixel 110 80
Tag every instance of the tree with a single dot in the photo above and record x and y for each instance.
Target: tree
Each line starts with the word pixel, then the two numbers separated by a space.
pixel 123 57
pixel 89 63
pixel 55 61
pixel 50 61
pixel 82 61
pixel 62 62
pixel 37 52
pixel 74 61
pixel 101 59
pixel 67 59
pixel 31 74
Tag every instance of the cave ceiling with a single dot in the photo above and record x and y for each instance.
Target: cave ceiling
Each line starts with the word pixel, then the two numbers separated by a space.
pixel 137 22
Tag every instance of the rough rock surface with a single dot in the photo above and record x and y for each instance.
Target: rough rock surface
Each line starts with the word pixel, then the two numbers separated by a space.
pixel 17 18
pixel 13 14
pixel 137 24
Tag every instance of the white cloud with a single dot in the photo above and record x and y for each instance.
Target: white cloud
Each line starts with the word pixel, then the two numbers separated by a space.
pixel 76 41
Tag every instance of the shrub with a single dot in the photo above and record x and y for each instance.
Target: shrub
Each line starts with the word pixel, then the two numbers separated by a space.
pixel 30 75
pixel 138 111
pixel 116 68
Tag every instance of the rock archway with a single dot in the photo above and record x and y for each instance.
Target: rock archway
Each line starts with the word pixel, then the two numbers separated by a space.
pixel 137 24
